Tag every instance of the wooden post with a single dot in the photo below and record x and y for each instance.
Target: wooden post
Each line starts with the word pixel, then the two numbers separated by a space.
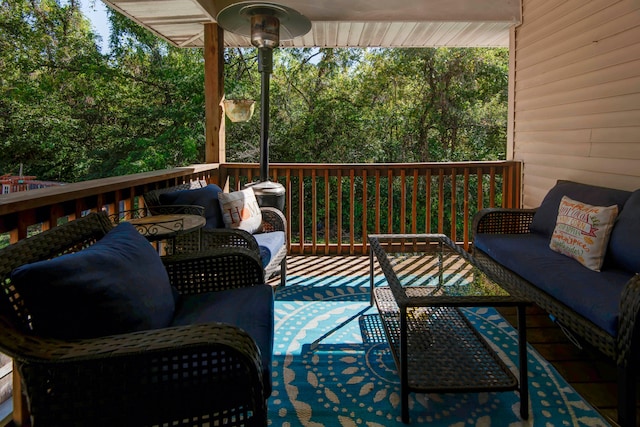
pixel 214 93
pixel 20 416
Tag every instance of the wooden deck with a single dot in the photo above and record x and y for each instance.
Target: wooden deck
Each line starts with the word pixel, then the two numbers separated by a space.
pixel 591 374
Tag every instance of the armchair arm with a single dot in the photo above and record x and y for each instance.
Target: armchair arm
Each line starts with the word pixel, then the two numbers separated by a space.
pixel 502 221
pixel 143 378
pixel 273 220
pixel 229 238
pixel 214 270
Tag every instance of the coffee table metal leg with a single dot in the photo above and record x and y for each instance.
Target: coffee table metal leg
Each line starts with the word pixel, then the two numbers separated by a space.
pixel 404 374
pixel 522 355
pixel 371 280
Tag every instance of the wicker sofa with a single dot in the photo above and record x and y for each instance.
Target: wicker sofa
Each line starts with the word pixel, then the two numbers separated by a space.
pixel 597 308
pixel 270 242
pixel 105 332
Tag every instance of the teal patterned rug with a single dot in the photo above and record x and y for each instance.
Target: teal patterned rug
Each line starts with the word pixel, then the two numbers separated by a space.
pixel 332 367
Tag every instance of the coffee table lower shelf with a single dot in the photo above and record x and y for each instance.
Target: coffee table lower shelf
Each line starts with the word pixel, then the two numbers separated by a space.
pixel 445 353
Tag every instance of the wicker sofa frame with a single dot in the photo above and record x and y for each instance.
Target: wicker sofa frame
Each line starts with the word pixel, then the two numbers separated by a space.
pixel 622 349
pixel 187 375
pixel 272 220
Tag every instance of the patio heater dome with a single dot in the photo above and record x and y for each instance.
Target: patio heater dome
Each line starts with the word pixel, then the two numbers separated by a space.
pixel 282 22
pixel 266 24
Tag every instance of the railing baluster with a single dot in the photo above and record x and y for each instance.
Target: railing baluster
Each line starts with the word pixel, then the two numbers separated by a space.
pixel 378 202
pixel 480 188
pixel 427 208
pixel 314 212
pixel 465 208
pixel 289 202
pixel 492 187
pixel 454 211
pixel 403 201
pixel 352 203
pixel 327 214
pixel 414 203
pixel 364 210
pixel 440 200
pixel 390 201
pixel 339 208
pixel 301 208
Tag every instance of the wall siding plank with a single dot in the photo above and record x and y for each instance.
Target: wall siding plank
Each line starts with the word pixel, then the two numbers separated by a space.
pixel 547 104
pixel 614 119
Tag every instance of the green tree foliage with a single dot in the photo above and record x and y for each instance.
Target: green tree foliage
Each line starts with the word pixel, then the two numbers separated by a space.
pixel 69 112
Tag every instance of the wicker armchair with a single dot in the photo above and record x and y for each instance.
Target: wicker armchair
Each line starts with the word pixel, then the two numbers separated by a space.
pixel 272 220
pixel 206 374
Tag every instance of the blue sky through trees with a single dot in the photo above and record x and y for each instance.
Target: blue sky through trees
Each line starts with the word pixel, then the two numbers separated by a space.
pixel 96 12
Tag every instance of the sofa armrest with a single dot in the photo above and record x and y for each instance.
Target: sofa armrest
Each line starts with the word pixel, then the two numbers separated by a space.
pixel 628 340
pixel 273 220
pixel 227 237
pixel 502 221
pixel 214 270
pixel 156 375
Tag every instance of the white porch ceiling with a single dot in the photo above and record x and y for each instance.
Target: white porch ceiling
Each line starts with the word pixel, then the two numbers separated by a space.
pixel 342 23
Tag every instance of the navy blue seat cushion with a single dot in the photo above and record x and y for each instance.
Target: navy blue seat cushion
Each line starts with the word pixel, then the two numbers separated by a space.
pixel 269 243
pixel 207 197
pixel 544 220
pixel 594 295
pixel 624 243
pixel 117 285
pixel 249 308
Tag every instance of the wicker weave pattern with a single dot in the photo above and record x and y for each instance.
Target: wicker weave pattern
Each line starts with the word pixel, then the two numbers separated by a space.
pixel 623 348
pixel 214 270
pixel 197 375
pixel 272 220
pixel 434 334
pixel 503 221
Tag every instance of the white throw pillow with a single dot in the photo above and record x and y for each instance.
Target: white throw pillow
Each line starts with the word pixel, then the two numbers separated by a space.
pixel 240 210
pixel 582 231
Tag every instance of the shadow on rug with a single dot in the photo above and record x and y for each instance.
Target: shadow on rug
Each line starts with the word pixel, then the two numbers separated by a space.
pixel 332 367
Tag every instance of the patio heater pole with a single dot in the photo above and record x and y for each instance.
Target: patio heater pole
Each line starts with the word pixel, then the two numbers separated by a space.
pixel 265 67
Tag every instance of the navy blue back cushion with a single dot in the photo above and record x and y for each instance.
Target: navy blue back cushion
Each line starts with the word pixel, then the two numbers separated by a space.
pixel 117 285
pixel 207 197
pixel 624 243
pixel 544 220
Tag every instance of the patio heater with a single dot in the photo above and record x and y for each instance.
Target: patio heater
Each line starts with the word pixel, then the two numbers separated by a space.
pixel 266 24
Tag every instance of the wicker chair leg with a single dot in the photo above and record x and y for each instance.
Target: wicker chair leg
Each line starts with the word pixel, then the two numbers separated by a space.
pixel 626 396
pixel 283 272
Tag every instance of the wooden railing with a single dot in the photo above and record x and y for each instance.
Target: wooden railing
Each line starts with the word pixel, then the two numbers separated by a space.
pixel 23 212
pixel 331 208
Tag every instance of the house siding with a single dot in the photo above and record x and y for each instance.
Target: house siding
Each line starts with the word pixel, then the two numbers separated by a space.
pixel 575 103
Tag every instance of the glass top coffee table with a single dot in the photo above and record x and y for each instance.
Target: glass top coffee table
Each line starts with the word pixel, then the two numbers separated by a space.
pixel 435 347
